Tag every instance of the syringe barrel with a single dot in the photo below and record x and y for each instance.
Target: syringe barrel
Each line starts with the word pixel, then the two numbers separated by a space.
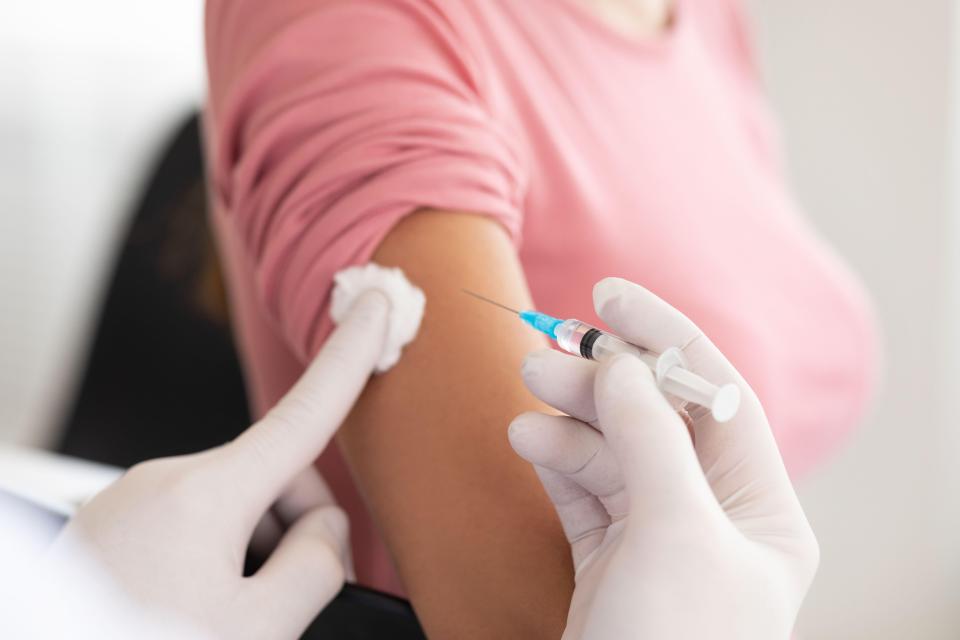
pixel 586 341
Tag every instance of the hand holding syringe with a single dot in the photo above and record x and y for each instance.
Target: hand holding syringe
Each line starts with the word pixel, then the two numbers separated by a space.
pixel 669 367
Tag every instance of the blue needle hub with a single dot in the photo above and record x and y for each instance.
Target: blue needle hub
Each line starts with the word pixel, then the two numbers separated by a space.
pixel 541 322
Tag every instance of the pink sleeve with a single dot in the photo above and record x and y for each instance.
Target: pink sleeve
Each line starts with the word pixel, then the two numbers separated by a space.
pixel 328 121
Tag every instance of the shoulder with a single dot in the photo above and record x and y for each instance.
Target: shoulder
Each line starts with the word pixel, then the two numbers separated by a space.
pixel 358 20
pixel 340 34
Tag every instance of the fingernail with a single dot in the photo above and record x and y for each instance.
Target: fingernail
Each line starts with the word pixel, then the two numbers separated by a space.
pixel 605 291
pixel 370 306
pixel 532 366
pixel 518 428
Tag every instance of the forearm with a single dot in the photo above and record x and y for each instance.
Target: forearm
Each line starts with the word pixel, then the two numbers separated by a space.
pixel 477 543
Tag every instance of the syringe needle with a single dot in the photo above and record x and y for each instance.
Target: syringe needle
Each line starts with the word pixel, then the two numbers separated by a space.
pixel 496 304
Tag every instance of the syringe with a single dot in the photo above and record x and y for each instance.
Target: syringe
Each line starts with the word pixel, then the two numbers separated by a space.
pixel 669 367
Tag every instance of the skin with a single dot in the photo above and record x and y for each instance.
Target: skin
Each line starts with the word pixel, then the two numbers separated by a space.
pixel 476 541
pixel 634 18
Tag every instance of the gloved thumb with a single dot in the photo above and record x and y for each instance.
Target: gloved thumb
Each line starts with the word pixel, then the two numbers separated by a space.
pixel 650 441
pixel 305 571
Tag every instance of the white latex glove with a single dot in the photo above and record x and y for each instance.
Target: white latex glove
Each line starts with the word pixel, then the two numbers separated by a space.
pixel 173 532
pixel 669 540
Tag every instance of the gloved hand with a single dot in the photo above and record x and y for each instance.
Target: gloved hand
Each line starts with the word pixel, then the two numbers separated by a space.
pixel 670 539
pixel 173 532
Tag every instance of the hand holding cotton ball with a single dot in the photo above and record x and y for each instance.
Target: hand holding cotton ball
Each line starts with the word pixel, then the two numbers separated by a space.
pixel 407 303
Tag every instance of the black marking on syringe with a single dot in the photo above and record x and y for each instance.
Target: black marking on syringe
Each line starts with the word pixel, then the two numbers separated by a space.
pixel 586 343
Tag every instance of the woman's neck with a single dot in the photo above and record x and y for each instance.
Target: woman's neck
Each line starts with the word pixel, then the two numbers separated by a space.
pixel 634 18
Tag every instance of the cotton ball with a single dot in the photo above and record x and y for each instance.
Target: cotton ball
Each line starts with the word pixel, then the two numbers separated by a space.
pixel 406 305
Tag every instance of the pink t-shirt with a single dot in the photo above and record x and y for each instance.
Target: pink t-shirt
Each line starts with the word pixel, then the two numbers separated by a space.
pixel 656 161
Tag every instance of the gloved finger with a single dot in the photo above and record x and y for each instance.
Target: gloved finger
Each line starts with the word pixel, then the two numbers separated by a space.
pixel 583 518
pixel 575 450
pixel 650 441
pixel 266 457
pixel 640 317
pixel 306 492
pixel 740 459
pixel 563 381
pixel 303 574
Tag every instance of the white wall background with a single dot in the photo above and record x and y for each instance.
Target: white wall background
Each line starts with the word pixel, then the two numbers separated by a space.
pixel 862 88
pixel 88 89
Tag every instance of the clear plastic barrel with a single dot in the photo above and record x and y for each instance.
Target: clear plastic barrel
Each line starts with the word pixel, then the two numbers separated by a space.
pixel 581 339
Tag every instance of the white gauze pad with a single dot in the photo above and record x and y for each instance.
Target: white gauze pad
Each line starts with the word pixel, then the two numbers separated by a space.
pixel 406 305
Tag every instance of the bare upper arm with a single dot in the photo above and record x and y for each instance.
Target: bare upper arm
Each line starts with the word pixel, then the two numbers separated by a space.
pixel 476 541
